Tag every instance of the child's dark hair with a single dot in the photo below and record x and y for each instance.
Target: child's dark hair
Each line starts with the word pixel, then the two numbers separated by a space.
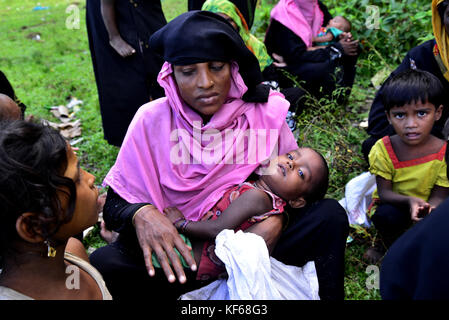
pixel 320 185
pixel 412 86
pixel 33 159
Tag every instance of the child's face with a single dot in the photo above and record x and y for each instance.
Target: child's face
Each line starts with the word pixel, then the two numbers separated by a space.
pixel 294 173
pixel 85 214
pixel 413 122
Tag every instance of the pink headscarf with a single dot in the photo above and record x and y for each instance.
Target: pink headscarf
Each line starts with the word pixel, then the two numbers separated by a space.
pixel 150 168
pixel 303 17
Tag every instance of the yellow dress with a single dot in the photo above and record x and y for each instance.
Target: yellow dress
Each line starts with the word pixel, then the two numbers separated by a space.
pixel 415 177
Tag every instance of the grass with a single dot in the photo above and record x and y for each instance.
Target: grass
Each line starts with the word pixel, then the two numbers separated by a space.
pixel 47 72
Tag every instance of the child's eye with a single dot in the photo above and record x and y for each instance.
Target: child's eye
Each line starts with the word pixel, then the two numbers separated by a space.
pixel 422 113
pixel 399 115
pixel 289 156
pixel 301 174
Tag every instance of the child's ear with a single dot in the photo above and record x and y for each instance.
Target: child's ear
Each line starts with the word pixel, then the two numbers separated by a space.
pixel 25 230
pixel 438 112
pixel 297 203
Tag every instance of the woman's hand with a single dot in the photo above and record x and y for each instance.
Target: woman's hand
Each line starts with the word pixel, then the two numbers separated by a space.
pixel 418 208
pixel 350 46
pixel 156 232
pixel 122 47
pixel 279 61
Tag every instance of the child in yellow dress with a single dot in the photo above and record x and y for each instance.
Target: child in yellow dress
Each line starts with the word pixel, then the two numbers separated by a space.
pixel 410 166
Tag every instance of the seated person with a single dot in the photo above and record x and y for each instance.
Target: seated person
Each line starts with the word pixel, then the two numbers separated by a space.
pixel 334 31
pixel 297 178
pixel 292 27
pixel 268 66
pixel 431 56
pixel 46 199
pixel 410 166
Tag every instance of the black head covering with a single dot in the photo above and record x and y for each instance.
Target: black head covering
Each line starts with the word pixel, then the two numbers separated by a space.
pixel 201 36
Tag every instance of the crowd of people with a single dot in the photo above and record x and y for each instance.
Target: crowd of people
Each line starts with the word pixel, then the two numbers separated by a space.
pixel 198 107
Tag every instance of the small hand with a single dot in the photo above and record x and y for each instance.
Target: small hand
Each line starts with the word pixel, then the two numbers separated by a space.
pixel 418 208
pixel 279 61
pixel 122 48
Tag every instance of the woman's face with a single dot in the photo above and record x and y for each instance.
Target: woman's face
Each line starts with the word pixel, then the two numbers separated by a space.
pixel 85 214
pixel 204 86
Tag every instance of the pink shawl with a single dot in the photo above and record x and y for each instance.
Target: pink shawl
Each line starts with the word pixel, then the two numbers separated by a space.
pixel 303 17
pixel 169 159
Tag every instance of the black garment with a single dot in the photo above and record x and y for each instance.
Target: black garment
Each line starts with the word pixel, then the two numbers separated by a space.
pixel 391 222
pixel 422 58
pixel 7 89
pixel 202 36
pixel 246 7
pixel 317 233
pixel 321 69
pixel 124 84
pixel 416 265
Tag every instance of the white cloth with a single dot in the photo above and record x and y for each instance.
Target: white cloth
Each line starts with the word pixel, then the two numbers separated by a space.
pixel 254 275
pixel 358 197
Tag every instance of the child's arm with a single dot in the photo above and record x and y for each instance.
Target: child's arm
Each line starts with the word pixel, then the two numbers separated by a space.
pixel 115 39
pixel 417 206
pixel 438 195
pixel 252 202
pixel 326 38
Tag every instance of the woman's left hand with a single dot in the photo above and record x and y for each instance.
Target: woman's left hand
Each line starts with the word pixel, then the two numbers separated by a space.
pixel 350 46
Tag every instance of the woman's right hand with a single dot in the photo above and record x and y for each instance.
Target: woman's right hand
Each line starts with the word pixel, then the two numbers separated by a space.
pixel 122 47
pixel 350 46
pixel 157 234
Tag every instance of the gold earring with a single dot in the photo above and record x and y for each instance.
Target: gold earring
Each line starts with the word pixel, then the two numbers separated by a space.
pixel 51 252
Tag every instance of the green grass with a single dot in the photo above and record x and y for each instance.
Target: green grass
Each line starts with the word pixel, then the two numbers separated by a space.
pixel 47 72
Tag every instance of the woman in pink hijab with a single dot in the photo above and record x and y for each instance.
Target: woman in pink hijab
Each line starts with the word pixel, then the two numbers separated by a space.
pixel 215 127
pixel 293 25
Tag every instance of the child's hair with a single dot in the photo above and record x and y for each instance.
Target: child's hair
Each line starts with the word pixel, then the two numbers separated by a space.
pixel 412 86
pixel 33 159
pixel 348 26
pixel 320 185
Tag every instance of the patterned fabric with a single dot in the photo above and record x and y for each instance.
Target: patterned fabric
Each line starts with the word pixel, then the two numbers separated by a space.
pixel 210 266
pixel 323 31
pixel 442 39
pixel 254 44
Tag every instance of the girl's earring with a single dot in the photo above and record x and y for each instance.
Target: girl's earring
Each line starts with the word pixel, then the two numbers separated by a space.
pixel 51 252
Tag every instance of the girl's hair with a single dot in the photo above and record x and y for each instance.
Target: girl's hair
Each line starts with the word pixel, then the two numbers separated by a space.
pixel 319 187
pixel 33 159
pixel 412 86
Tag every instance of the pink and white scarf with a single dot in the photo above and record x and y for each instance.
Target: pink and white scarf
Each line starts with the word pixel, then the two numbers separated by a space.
pixel 169 159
